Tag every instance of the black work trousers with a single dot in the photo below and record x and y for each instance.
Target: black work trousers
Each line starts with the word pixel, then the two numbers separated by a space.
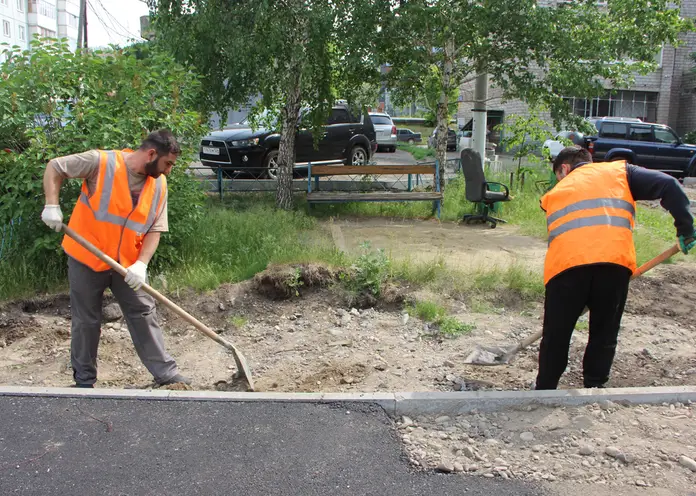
pixel 603 289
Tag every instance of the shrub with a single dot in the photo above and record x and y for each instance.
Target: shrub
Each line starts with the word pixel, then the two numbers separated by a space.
pixel 54 102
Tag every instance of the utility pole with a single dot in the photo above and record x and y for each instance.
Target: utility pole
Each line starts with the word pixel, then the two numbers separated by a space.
pixel 82 26
pixel 478 138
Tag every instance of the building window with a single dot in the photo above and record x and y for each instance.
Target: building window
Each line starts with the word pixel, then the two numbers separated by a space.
pixel 47 33
pixel 43 8
pixel 6 30
pixel 21 33
pixel 4 2
pixel 20 5
pixel 73 21
pixel 640 104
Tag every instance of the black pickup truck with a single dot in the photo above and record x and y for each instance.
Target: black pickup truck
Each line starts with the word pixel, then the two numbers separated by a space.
pixel 653 146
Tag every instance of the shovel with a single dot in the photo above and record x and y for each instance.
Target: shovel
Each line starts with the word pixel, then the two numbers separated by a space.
pixel 496 355
pixel 243 371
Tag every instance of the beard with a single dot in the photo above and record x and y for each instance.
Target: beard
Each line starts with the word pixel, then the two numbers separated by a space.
pixel 151 169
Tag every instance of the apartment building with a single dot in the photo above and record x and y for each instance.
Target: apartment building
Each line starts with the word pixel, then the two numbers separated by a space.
pixel 666 96
pixel 22 19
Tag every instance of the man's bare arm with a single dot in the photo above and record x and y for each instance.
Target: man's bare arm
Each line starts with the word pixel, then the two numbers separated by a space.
pixel 150 244
pixel 52 182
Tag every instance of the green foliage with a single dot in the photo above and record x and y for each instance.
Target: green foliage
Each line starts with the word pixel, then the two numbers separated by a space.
pixel 241 238
pixel 524 136
pixel 369 272
pixel 537 54
pixel 428 96
pixel 54 102
pixel 690 137
pixel 291 54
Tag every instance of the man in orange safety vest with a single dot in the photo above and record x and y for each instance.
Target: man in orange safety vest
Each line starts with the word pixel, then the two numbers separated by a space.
pixel 590 216
pixel 122 210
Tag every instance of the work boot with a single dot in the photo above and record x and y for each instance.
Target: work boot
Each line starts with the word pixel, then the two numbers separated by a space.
pixel 175 380
pixel 84 386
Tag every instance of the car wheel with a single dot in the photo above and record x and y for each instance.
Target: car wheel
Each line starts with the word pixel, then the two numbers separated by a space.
pixel 411 141
pixel 270 164
pixel 392 149
pixel 358 156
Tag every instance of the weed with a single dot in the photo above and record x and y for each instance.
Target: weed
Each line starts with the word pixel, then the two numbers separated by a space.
pixel 451 327
pixel 435 314
pixel 238 321
pixel 427 311
pixel 369 272
pixel 294 281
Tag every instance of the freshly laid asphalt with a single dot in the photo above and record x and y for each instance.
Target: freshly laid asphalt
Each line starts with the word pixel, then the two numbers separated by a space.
pixel 66 446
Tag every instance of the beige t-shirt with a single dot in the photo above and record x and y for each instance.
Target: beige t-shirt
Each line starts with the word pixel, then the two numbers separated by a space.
pixel 86 166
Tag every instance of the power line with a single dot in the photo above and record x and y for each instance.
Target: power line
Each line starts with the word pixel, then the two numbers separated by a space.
pixel 110 23
pixel 114 19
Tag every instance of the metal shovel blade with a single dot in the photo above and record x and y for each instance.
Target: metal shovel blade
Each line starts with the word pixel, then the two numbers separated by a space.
pixel 485 355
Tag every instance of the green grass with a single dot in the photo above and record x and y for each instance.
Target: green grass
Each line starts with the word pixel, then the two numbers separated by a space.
pixel 427 311
pixel 241 237
pixel 20 278
pixel 238 321
pixel 436 314
pixel 418 152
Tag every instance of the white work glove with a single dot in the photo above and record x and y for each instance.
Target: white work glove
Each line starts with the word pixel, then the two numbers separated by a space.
pixel 53 217
pixel 136 275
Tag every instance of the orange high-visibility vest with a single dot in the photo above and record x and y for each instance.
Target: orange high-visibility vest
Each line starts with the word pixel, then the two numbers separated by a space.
pixel 590 216
pixel 108 218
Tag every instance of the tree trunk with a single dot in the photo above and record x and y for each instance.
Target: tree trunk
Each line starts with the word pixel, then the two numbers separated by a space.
pixel 443 111
pixel 289 115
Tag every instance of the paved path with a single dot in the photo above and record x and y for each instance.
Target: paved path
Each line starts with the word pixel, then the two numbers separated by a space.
pixel 51 446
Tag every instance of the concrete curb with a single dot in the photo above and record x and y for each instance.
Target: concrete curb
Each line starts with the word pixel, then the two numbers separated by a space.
pixel 395 404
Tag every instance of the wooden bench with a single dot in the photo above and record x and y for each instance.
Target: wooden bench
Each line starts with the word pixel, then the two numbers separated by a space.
pixel 385 195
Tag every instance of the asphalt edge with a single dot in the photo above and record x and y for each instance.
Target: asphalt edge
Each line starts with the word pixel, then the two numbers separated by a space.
pixel 395 404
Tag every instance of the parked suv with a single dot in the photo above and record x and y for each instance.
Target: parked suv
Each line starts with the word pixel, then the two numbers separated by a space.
pixel 451 140
pixel 347 137
pixel 385 129
pixel 649 145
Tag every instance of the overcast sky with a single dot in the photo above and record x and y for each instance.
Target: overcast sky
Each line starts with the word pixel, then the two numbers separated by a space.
pixel 114 21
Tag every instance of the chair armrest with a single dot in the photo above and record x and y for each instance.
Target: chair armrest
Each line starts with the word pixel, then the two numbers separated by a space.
pixel 507 191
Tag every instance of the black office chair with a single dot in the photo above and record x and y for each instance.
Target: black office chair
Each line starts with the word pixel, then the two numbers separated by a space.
pixel 478 191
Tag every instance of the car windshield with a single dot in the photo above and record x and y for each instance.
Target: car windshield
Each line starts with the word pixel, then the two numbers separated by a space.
pixel 265 119
pixel 381 119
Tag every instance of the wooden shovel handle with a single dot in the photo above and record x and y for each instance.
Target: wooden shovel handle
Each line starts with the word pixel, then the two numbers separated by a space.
pixel 662 257
pixel 149 289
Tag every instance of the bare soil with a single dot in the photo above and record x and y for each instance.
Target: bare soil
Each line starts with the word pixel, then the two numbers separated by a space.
pixel 308 340
pixel 647 448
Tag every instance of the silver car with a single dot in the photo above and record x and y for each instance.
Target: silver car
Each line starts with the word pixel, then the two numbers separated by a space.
pixel 385 129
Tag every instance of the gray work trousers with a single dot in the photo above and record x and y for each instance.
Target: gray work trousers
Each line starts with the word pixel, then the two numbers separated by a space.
pixel 86 293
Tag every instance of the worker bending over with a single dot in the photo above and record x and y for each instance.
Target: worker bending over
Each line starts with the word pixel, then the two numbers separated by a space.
pixel 590 216
pixel 122 210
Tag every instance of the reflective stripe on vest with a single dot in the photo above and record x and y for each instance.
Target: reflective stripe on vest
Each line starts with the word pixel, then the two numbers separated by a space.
pixel 595 220
pixel 103 214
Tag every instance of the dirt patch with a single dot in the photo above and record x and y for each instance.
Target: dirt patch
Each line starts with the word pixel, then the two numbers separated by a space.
pixel 280 282
pixel 604 444
pixel 462 246
pixel 313 342
pixel 669 294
